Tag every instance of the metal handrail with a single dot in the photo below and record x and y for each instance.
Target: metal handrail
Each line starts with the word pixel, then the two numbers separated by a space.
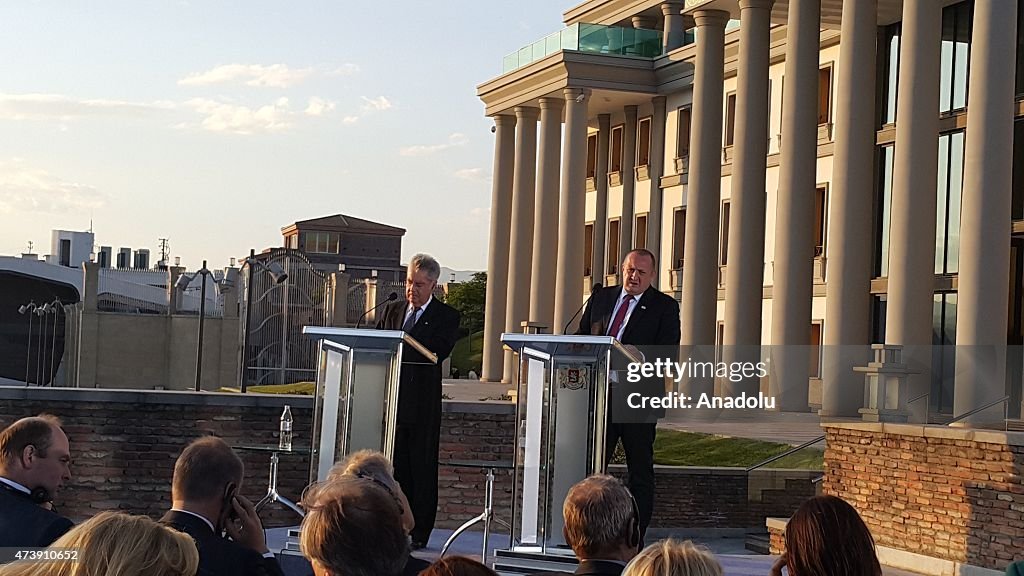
pixel 916 398
pixel 786 453
pixel 981 408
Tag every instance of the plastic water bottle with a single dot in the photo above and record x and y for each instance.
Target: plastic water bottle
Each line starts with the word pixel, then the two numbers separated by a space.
pixel 286 429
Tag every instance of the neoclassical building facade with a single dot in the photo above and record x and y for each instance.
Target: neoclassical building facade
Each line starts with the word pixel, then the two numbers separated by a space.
pixel 815 174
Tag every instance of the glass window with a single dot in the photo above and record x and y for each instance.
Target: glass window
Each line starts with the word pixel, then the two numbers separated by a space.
pixel 683 133
pixel 724 253
pixel 820 214
pixel 730 118
pixel 613 246
pixel 878 318
pixel 643 144
pixel 883 210
pixel 591 155
pixel 678 236
pixel 1017 209
pixel 588 248
pixel 616 159
pixel 955 56
pixel 948 201
pixel 944 351
pixel 815 351
pixel 1020 48
pixel 889 71
pixel 824 95
pixel 641 232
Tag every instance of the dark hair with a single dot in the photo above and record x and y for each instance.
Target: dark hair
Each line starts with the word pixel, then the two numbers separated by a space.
pixel 826 537
pixel 353 527
pixel 204 468
pixel 32 431
pixel 457 566
pixel 642 252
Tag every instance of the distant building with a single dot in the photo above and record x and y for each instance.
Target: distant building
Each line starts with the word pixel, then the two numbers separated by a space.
pixel 362 248
pixel 70 249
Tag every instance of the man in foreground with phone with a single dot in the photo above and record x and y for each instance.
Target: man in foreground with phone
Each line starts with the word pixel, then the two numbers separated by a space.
pixel 206 505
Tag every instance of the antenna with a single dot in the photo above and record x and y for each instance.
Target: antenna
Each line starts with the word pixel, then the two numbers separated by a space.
pixel 165 249
pixel 30 245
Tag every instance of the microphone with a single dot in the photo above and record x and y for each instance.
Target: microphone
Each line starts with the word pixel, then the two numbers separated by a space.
pixel 391 298
pixel 593 290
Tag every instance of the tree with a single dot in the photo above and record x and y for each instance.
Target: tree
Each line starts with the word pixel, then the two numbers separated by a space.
pixel 469 298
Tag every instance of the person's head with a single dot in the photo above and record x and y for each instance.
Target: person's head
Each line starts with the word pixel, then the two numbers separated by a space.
pixel 601 519
pixel 35 453
pixel 116 544
pixel 375 466
pixel 207 476
pixel 353 528
pixel 673 558
pixel 421 277
pixel 638 271
pixel 826 537
pixel 457 566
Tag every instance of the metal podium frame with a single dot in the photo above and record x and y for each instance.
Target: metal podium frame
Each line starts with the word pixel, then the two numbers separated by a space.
pixel 561 413
pixel 357 371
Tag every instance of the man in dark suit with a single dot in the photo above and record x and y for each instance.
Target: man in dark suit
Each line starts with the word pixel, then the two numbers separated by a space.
pixel 35 462
pixel 641 316
pixel 601 526
pixel 205 502
pixel 435 325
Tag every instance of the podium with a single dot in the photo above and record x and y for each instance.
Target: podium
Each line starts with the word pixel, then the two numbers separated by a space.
pixel 563 402
pixel 357 382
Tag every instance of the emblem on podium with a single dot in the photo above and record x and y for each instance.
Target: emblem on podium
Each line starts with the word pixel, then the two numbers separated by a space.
pixel 573 377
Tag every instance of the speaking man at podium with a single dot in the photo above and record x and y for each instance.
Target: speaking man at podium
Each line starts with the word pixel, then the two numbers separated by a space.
pixel 638 315
pixel 435 325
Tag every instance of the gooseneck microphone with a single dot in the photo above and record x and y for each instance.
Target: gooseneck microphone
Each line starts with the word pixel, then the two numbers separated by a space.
pixel 593 290
pixel 391 298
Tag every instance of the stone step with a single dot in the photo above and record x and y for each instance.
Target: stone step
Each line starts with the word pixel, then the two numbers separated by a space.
pixel 758 543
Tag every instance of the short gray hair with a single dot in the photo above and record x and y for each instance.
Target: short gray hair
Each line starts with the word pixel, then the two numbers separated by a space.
pixel 598 512
pixel 366 464
pixel 426 263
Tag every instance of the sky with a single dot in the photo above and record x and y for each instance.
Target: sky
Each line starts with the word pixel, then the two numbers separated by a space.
pixel 214 124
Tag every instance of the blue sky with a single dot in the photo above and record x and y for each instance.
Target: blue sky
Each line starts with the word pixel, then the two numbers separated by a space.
pixel 216 123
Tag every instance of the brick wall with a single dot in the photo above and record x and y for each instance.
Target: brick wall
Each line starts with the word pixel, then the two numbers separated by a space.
pixel 949 493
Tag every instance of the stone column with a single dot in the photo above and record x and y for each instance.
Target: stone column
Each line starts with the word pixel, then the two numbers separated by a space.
pixel 545 225
pixel 497 260
pixel 524 182
pixel 704 185
pixel 571 209
pixel 848 280
pixel 794 220
pixel 628 186
pixel 745 273
pixel 674 33
pixel 984 226
pixel 597 268
pixel 645 22
pixel 655 170
pixel 908 319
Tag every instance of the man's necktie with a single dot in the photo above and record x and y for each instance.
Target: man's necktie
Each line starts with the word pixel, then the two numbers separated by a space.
pixel 620 316
pixel 411 320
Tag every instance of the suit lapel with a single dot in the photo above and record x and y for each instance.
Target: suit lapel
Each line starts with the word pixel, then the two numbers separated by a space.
pixel 426 318
pixel 636 317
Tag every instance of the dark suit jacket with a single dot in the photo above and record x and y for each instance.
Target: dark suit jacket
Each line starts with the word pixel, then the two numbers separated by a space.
pixel 219 556
pixel 1015 569
pixel 591 568
pixel 25 523
pixel 419 396
pixel 654 322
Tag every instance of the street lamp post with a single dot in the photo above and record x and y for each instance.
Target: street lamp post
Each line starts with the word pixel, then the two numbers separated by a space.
pixel 29 309
pixel 202 317
pixel 279 276
pixel 41 311
pixel 56 307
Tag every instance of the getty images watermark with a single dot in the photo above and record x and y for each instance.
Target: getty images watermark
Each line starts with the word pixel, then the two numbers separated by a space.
pixel 676 371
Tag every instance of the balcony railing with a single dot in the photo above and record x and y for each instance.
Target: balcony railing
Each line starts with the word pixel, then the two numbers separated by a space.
pixel 592 38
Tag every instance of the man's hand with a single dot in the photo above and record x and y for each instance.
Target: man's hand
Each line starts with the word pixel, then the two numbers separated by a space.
pixel 777 567
pixel 247 530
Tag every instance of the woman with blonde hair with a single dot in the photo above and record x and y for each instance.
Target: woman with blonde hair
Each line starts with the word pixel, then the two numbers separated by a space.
pixel 673 558
pixel 115 544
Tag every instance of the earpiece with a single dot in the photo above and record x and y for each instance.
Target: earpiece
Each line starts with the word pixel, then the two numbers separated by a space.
pixel 40 495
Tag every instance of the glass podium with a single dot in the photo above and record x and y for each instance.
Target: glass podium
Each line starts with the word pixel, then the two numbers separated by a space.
pixel 563 402
pixel 357 383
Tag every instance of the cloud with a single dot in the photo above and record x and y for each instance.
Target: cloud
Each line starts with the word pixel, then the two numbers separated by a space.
pixel 273 76
pixel 236 119
pixel 60 107
pixel 456 139
pixel 473 174
pixel 24 188
pixel 344 70
pixel 370 106
pixel 318 107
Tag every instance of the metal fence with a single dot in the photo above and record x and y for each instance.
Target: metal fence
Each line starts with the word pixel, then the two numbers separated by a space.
pixel 133 291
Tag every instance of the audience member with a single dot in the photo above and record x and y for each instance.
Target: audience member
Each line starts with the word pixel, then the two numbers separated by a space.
pixel 673 558
pixel 458 566
pixel 115 544
pixel 353 527
pixel 205 503
pixel 35 462
pixel 826 537
pixel 375 466
pixel 602 525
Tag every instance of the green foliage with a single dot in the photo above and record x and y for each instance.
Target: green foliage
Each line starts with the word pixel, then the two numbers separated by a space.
pixel 675 448
pixel 468 353
pixel 469 299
